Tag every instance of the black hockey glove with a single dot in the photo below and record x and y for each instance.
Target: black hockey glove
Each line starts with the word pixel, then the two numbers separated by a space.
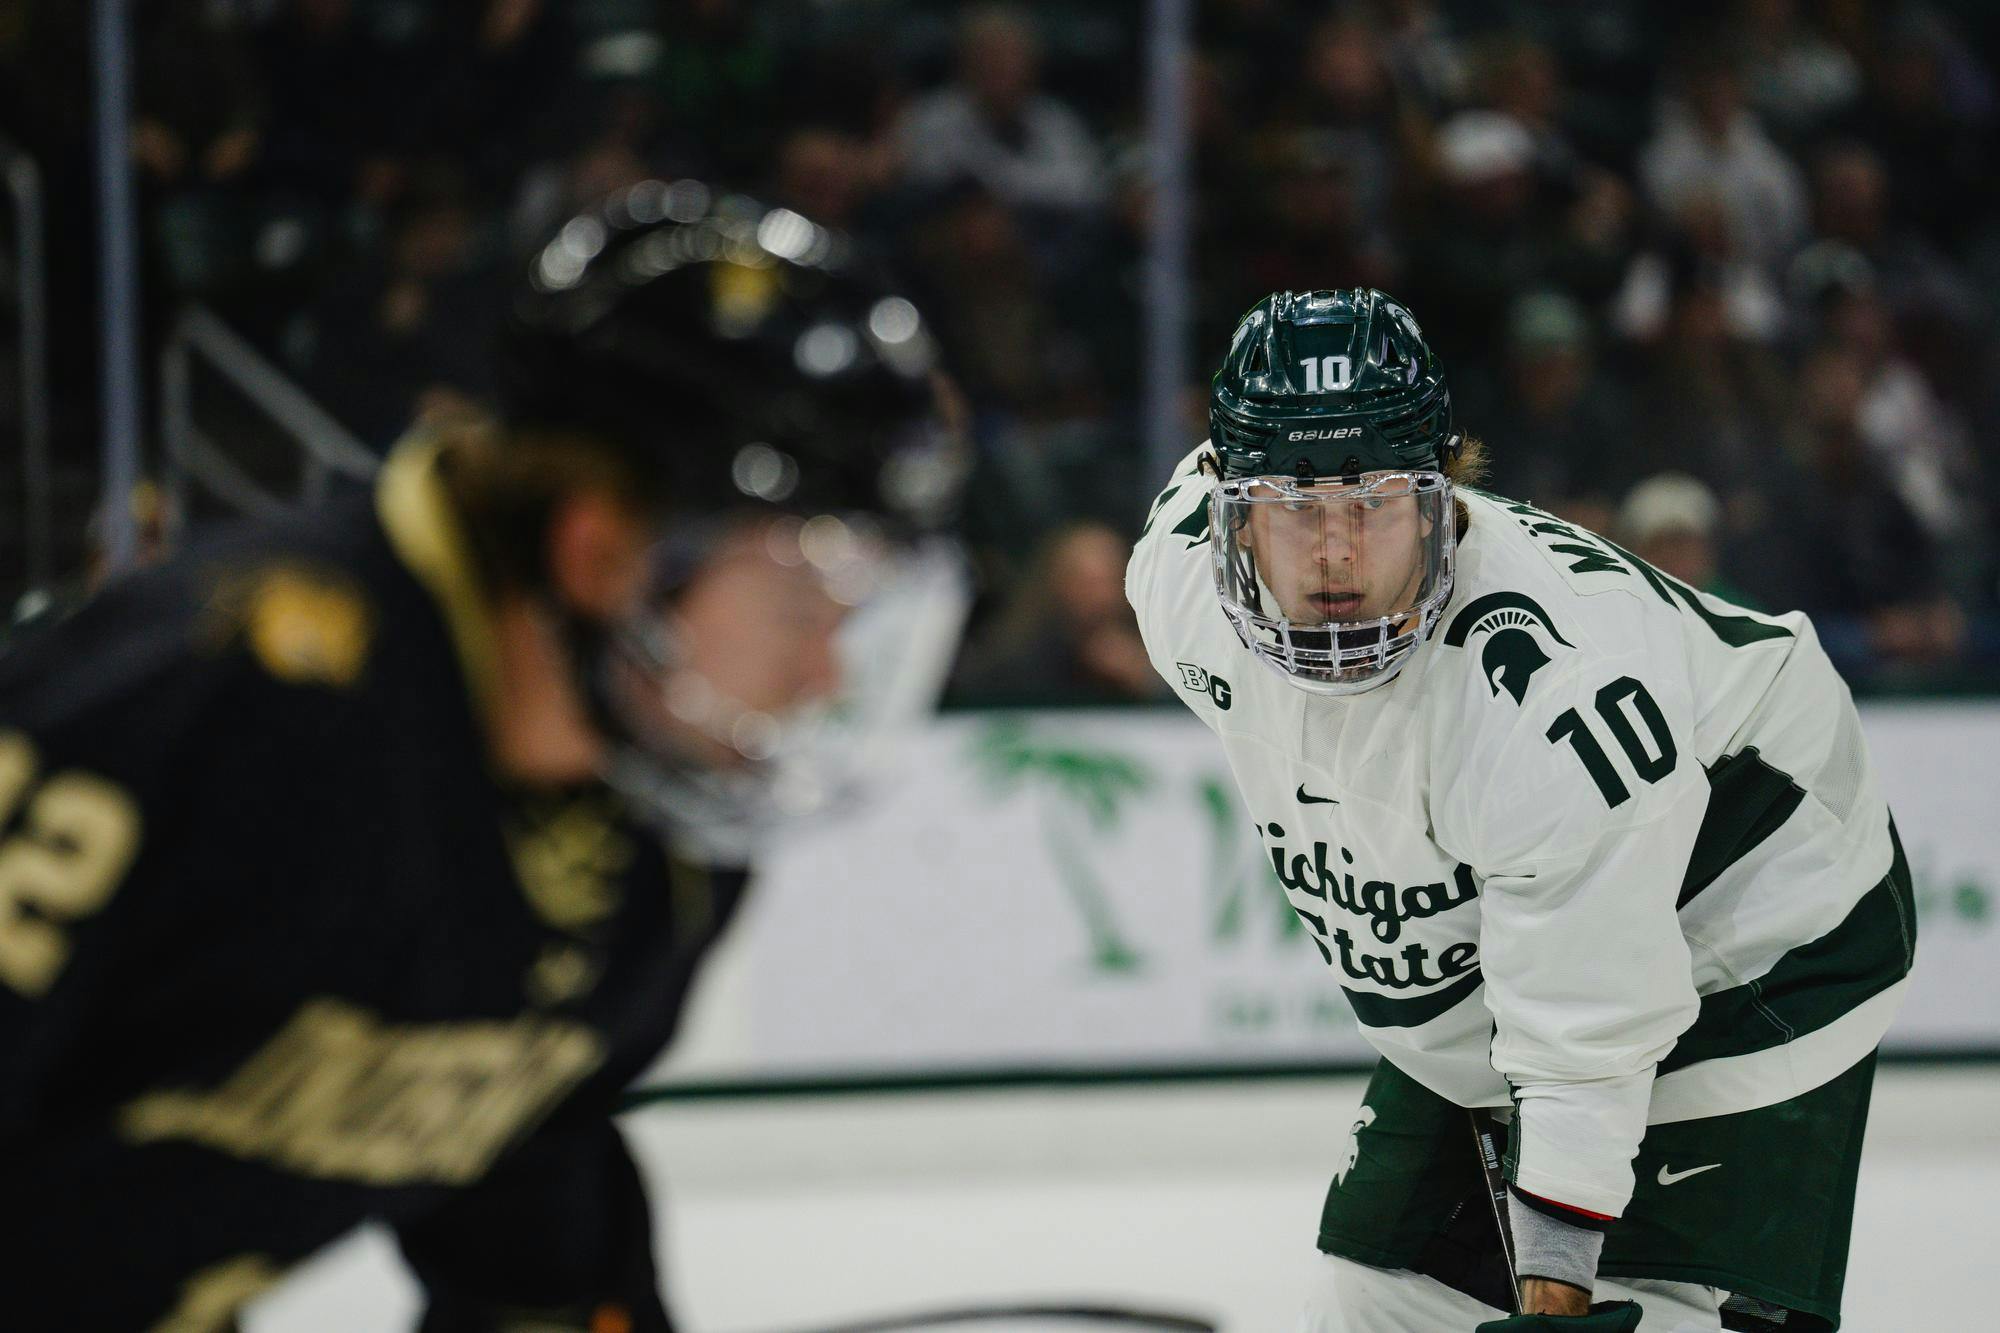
pixel 1604 1317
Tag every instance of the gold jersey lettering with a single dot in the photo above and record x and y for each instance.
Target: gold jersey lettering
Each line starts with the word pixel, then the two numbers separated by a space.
pixel 569 860
pixel 77 838
pixel 337 1094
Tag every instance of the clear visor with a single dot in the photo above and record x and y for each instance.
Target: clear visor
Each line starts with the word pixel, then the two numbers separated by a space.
pixel 1332 579
pixel 747 686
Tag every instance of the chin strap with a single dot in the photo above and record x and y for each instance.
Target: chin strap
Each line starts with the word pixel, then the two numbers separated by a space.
pixel 585 647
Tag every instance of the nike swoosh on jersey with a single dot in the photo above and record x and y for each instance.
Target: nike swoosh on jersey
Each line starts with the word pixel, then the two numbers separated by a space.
pixel 1670 1177
pixel 1314 800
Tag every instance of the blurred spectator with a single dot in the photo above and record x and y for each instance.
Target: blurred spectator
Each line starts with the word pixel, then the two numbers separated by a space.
pixel 1271 209
pixel 1851 208
pixel 625 139
pixel 1487 241
pixel 1423 55
pixel 1068 635
pixel 1862 564
pixel 197 140
pixel 1254 37
pixel 156 521
pixel 1672 521
pixel 829 175
pixel 1918 446
pixel 1346 105
pixel 498 71
pixel 1936 307
pixel 996 126
pixel 718 72
pixel 997 325
pixel 1521 80
pixel 199 98
pixel 338 128
pixel 1556 430
pixel 1610 56
pixel 1700 246
pixel 1714 396
pixel 1709 142
pixel 1488 154
pixel 392 332
pixel 1030 376
pixel 1798 80
pixel 1712 404
pixel 1305 230
pixel 1599 236
pixel 1931 119
pixel 839 71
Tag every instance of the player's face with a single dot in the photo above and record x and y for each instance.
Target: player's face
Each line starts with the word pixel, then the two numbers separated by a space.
pixel 753 636
pixel 760 620
pixel 1343 561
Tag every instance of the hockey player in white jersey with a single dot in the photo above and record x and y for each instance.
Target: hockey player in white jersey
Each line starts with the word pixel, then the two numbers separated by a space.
pixel 1579 842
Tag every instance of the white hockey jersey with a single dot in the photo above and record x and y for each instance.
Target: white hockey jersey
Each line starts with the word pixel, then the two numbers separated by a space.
pixel 1607 844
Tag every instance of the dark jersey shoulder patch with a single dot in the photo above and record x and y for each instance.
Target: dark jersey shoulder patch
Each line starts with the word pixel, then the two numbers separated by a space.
pixel 306 624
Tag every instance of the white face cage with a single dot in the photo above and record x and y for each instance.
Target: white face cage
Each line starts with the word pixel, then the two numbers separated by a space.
pixel 1333 582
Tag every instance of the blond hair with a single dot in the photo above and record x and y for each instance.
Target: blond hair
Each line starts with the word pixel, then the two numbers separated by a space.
pixel 1467 469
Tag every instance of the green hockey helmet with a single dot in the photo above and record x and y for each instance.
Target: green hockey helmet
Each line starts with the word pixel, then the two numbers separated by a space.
pixel 1330 384
pixel 1331 509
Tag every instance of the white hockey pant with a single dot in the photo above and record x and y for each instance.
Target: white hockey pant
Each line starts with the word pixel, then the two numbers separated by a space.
pixel 1347 1297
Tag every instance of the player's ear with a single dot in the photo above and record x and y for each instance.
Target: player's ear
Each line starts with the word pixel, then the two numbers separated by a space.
pixel 596 553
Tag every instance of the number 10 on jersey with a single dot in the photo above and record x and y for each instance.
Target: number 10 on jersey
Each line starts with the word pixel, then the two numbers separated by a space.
pixel 1650 763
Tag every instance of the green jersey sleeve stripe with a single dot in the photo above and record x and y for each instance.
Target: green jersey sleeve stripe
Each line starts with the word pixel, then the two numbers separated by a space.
pixel 1815 983
pixel 1748 801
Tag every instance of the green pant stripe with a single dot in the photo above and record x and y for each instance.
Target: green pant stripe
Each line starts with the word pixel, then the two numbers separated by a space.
pixel 1815 983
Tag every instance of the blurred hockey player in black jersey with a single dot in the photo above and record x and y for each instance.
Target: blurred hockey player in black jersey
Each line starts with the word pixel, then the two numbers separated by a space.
pixel 351 867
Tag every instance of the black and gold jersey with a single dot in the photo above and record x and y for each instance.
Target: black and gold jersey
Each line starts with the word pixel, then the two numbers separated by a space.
pixel 280 953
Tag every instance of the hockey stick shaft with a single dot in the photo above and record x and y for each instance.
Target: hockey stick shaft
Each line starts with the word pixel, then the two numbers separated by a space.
pixel 1486 1146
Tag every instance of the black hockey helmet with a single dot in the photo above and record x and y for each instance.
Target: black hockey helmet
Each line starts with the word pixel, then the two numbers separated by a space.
pixel 775 393
pixel 1329 384
pixel 742 353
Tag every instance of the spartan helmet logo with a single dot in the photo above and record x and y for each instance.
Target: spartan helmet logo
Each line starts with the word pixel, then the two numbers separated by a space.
pixel 1511 659
pixel 1514 652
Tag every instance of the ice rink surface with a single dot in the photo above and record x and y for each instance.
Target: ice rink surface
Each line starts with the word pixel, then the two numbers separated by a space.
pixel 787 1213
